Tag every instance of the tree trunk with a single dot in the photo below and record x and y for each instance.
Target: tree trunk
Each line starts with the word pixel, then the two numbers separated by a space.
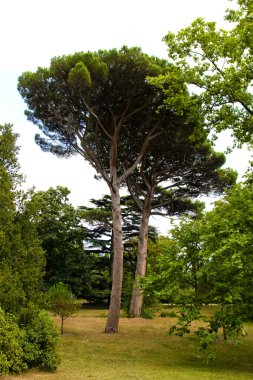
pixel 137 294
pixel 224 333
pixel 117 269
pixel 62 322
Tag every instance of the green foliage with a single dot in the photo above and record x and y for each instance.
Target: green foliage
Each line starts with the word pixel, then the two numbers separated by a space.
pixel 150 305
pixel 81 96
pixel 21 256
pixel 60 229
pixel 168 313
pixel 27 346
pixel 9 178
pixel 210 260
pixel 128 281
pixel 79 76
pixel 147 313
pixel 12 357
pixel 100 280
pixel 41 339
pixel 27 337
pixel 174 275
pixel 22 263
pixel 218 63
pixel 188 313
pixel 206 337
pixel 61 301
pixel 9 155
pixel 230 319
pixel 227 240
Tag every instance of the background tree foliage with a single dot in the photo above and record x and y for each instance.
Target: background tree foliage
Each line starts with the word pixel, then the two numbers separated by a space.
pixel 21 256
pixel 227 240
pixel 27 335
pixel 210 261
pixel 62 234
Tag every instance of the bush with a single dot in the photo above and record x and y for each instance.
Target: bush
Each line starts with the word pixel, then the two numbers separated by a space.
pixel 150 306
pixel 41 339
pixel 148 313
pixel 12 358
pixel 31 346
pixel 168 314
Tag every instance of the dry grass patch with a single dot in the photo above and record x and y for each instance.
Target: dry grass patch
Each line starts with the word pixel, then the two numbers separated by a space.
pixel 141 350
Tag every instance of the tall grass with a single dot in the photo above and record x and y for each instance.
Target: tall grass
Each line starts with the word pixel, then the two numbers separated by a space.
pixel 142 350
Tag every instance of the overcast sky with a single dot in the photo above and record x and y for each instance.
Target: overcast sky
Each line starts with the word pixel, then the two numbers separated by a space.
pixel 34 31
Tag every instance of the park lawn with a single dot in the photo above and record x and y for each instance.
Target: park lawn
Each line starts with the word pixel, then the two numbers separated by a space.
pixel 142 350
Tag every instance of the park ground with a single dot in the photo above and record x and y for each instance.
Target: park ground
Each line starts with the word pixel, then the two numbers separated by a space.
pixel 142 350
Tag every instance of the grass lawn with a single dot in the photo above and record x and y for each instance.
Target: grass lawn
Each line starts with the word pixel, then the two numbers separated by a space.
pixel 142 350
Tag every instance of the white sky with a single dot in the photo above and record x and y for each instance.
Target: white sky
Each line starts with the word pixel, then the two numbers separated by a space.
pixel 34 31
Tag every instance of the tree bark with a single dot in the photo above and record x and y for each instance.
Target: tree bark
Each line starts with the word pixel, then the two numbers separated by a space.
pixel 137 294
pixel 112 323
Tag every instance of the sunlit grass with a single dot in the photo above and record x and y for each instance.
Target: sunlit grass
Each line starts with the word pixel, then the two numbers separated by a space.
pixel 142 350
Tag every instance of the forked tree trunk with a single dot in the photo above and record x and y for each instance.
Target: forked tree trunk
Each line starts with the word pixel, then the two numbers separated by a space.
pixel 137 294
pixel 112 323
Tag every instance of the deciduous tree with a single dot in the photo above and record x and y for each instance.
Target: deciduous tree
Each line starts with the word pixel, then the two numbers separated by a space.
pixel 210 260
pixel 217 63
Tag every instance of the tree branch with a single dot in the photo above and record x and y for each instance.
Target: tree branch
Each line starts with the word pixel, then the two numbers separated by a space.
pixel 135 198
pixel 148 138
pixel 96 117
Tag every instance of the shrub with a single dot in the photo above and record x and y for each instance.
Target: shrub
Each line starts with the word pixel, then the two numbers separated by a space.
pixel 148 313
pixel 169 314
pixel 12 358
pixel 41 339
pixel 31 346
pixel 150 306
